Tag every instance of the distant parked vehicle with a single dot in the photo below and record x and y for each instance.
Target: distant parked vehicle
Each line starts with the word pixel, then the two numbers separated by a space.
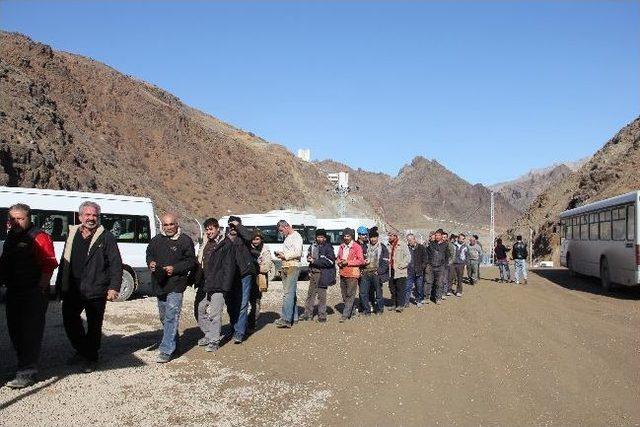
pixel 301 221
pixel 335 226
pixel 130 219
pixel 602 240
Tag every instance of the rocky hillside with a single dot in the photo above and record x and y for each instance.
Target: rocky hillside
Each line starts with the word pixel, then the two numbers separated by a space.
pixel 426 195
pixel 523 190
pixel 69 122
pixel 613 170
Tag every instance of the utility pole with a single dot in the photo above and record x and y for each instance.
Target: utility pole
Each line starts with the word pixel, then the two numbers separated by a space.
pixel 492 230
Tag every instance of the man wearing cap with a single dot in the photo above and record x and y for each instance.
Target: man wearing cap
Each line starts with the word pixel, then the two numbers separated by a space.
pixel 322 274
pixel 350 259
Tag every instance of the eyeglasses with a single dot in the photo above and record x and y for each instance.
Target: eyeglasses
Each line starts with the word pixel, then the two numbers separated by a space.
pixel 169 224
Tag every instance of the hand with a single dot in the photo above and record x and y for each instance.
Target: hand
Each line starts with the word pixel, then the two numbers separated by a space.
pixel 280 255
pixel 152 266
pixel 169 270
pixel 112 295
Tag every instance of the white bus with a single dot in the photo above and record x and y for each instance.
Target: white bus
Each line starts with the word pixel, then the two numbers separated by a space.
pixel 601 240
pixel 132 221
pixel 301 221
pixel 335 226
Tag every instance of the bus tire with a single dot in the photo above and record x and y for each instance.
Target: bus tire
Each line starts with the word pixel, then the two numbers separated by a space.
pixel 128 285
pixel 605 276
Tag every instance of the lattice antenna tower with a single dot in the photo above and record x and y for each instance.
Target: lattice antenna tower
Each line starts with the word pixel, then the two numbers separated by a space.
pixel 492 229
pixel 341 181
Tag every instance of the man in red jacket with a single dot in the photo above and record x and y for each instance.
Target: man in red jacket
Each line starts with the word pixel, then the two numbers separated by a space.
pixel 26 265
pixel 350 259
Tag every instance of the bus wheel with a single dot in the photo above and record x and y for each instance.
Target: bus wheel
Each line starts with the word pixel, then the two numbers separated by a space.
pixel 127 287
pixel 572 272
pixel 605 278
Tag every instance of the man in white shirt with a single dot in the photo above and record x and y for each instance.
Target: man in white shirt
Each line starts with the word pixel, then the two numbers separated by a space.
pixel 290 255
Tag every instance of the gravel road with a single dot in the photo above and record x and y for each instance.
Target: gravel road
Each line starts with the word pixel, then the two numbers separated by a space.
pixel 554 352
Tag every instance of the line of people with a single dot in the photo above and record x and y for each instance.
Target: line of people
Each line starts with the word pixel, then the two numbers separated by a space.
pixel 228 271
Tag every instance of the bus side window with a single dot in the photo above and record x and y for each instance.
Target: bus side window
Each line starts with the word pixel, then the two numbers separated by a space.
pixel 605 225
pixel 55 223
pixel 593 227
pixel 142 223
pixel 4 221
pixel 619 223
pixel 631 223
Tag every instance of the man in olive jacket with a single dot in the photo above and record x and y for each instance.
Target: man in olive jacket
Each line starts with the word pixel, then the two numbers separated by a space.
pixel 90 274
pixel 171 259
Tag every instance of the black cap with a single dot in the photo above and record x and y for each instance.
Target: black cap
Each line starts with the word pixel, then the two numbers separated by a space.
pixel 235 218
pixel 321 232
pixel 373 232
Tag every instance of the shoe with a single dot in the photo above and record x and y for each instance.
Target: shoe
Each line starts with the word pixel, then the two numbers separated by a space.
pixel 304 318
pixel 391 309
pixel 22 380
pixel 211 347
pixel 444 297
pixel 459 294
pixel 516 283
pixel 204 341
pixel 282 324
pixel 162 357
pixel 419 305
pixel 322 319
pixel 399 309
pixel 342 319
pixel 89 366
pixel 449 294
pixel 237 340
pixel 76 359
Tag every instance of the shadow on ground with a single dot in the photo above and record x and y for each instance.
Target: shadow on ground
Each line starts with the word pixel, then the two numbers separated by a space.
pixel 561 277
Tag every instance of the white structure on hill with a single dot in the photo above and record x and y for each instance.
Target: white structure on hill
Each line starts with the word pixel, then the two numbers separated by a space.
pixel 304 154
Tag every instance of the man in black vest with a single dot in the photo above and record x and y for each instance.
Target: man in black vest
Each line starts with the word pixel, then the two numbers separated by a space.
pixel 26 266
pixel 90 274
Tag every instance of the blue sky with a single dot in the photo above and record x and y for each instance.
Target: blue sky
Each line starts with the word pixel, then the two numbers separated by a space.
pixel 489 89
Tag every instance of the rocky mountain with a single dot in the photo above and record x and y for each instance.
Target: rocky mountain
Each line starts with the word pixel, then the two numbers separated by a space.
pixel 522 191
pixel 613 170
pixel 425 194
pixel 69 122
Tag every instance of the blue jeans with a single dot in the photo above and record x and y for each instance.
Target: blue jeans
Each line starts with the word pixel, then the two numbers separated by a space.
pixel 238 306
pixel 169 307
pixel 521 269
pixel 289 288
pixel 503 266
pixel 418 281
pixel 370 281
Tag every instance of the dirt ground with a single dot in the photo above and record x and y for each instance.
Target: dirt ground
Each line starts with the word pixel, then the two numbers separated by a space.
pixel 554 352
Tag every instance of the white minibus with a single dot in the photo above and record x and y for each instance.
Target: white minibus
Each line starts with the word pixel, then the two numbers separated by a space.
pixel 601 240
pixel 130 219
pixel 335 226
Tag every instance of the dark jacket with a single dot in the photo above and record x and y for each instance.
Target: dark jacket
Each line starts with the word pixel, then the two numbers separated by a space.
pixel 103 267
pixel 245 261
pixel 220 269
pixel 418 260
pixel 177 252
pixel 501 252
pixel 383 264
pixel 437 254
pixel 27 255
pixel 519 251
pixel 326 263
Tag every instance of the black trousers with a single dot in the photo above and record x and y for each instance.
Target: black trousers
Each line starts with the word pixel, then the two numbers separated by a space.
pixel 26 312
pixel 397 288
pixel 85 342
pixel 434 288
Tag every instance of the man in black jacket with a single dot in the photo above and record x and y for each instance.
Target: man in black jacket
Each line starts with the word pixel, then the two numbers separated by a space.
pixel 171 258
pixel 520 254
pixel 322 274
pixel 415 271
pixel 238 299
pixel 90 274
pixel 438 260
